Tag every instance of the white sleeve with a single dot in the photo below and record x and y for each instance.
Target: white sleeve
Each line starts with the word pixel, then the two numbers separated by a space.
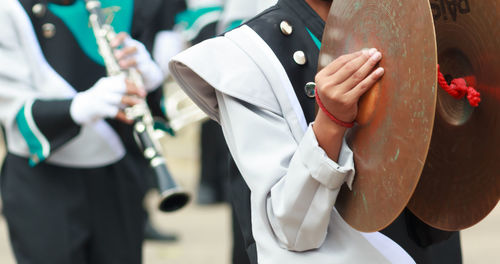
pixel 306 182
pixel 15 74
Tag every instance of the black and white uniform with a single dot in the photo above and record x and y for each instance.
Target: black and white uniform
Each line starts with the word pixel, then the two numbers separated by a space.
pixel 71 194
pixel 252 81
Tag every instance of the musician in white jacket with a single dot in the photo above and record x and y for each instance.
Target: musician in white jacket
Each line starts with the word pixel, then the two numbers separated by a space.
pixel 293 170
pixel 256 82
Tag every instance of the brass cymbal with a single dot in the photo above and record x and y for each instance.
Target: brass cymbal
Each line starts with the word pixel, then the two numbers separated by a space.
pixel 460 183
pixel 395 122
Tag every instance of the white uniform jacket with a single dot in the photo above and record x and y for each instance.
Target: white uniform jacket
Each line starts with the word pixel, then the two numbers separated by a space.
pixel 25 76
pixel 238 81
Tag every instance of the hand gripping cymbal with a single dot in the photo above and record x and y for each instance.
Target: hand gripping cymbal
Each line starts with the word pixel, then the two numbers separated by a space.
pixel 410 132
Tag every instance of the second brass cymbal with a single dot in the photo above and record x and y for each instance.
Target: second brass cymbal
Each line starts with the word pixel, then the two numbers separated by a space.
pixel 460 183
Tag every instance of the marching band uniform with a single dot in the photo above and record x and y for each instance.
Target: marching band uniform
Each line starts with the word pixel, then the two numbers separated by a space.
pixel 80 198
pixel 251 80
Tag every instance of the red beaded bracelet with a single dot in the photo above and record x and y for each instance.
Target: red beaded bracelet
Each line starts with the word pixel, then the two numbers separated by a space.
pixel 335 120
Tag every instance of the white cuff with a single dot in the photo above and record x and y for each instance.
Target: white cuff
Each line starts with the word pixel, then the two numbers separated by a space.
pixel 327 172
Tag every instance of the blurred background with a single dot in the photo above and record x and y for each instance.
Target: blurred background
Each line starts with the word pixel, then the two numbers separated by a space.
pixel 203 227
pixel 204 231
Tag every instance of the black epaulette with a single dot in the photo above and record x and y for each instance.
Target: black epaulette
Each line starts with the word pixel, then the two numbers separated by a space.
pixel 289 39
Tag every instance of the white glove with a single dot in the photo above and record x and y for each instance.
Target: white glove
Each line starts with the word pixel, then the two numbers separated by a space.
pixel 103 100
pixel 150 71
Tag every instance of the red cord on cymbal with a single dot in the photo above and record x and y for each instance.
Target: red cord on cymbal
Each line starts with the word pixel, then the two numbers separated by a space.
pixel 458 89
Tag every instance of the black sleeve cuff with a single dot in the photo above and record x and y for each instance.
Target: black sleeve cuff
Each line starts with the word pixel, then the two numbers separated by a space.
pixel 46 125
pixel 54 121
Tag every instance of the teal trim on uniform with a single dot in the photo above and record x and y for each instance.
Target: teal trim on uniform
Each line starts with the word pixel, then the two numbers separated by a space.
pixel 34 144
pixel 163 126
pixel 314 38
pixel 76 18
pixel 188 18
pixel 162 106
pixel 234 24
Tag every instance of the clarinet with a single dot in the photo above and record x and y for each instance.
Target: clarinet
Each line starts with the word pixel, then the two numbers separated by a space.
pixel 172 196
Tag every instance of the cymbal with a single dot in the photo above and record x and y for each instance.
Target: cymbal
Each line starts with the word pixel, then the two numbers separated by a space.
pixel 460 183
pixel 396 117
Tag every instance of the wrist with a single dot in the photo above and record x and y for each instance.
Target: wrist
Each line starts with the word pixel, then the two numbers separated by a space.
pixel 329 135
pixel 76 111
pixel 328 114
pixel 326 126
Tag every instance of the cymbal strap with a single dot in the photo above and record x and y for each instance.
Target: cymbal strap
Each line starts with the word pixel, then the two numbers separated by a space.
pixel 458 89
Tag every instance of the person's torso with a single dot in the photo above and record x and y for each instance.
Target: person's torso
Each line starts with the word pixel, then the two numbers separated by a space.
pixel 68 44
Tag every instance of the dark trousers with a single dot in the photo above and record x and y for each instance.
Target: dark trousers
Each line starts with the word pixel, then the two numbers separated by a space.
pixel 423 243
pixel 59 215
pixel 240 255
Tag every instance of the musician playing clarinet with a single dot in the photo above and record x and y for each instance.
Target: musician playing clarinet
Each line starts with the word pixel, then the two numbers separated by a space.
pixel 73 180
pixel 260 82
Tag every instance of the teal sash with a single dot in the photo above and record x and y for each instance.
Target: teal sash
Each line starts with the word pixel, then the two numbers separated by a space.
pixel 76 18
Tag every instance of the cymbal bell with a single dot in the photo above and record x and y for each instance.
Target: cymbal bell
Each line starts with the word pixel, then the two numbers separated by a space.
pixel 392 137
